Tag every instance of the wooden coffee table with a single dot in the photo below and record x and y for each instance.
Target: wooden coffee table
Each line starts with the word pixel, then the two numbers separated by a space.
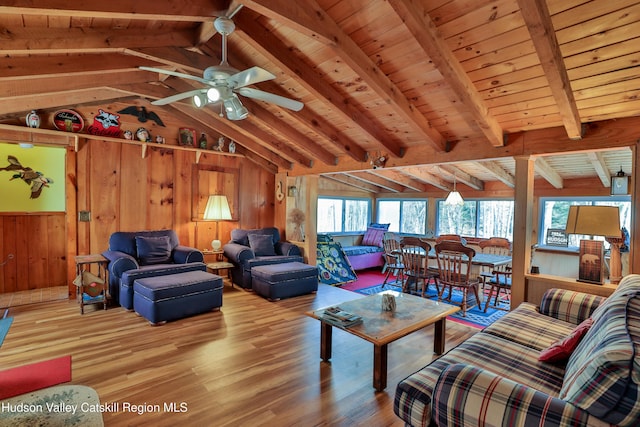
pixel 383 327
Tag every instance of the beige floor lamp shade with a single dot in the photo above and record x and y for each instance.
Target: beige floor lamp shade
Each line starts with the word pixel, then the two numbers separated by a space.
pixel 217 210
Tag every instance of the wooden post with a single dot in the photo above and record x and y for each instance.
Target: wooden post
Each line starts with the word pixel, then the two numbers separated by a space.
pixel 522 227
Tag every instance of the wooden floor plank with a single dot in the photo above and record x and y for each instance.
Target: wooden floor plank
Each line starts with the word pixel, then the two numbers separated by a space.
pixel 252 363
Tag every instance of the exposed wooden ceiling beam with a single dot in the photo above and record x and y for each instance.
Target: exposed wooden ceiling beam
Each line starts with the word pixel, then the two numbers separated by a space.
pixel 378 180
pixel 497 171
pixel 256 112
pixel 461 176
pixel 121 9
pixel 426 33
pixel 547 172
pixel 598 163
pixel 226 129
pixel 536 16
pixel 329 32
pixel 353 182
pixel 423 174
pixel 22 41
pixel 402 179
pixel 270 46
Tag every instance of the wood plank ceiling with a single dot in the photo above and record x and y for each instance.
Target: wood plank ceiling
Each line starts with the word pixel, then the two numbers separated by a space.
pixel 440 88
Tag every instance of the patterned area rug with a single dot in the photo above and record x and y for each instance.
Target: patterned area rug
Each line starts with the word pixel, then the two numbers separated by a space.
pixel 66 405
pixel 476 316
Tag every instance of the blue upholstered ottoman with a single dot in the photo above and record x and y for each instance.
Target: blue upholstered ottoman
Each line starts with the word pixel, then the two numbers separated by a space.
pixel 285 280
pixel 174 296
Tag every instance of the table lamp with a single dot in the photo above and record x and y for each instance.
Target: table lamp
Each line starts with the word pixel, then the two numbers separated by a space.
pixel 595 221
pixel 217 210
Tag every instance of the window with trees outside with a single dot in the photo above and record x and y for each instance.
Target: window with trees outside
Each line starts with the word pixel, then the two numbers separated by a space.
pixel 343 214
pixel 477 218
pixel 554 213
pixel 406 216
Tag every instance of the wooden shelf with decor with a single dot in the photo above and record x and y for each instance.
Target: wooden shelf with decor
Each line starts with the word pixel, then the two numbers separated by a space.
pixel 538 284
pixel 62 138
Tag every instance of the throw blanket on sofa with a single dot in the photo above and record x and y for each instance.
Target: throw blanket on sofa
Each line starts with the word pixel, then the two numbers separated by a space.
pixel 333 265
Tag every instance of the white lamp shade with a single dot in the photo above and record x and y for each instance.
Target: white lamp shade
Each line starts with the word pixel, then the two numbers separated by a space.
pixel 217 208
pixel 454 198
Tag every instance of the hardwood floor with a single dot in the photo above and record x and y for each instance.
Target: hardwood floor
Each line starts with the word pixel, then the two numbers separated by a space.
pixel 253 363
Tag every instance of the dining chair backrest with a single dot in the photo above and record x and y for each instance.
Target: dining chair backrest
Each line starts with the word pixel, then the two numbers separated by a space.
pixel 448 237
pixel 496 246
pixel 391 246
pixel 415 253
pixel 454 262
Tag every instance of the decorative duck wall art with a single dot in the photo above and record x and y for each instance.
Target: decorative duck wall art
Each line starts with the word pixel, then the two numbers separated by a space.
pixel 36 180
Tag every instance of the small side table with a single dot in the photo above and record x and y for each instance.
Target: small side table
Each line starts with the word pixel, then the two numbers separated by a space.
pixel 83 263
pixel 215 267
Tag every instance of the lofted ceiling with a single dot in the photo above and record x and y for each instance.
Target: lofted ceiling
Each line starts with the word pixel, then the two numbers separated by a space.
pixel 442 89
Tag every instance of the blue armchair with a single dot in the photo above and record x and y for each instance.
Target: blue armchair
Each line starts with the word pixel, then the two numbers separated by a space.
pixel 251 248
pixel 138 254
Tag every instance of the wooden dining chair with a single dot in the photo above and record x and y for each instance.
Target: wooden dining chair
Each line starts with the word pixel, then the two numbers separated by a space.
pixel 454 266
pixel 415 257
pixel 499 278
pixel 451 237
pixel 393 258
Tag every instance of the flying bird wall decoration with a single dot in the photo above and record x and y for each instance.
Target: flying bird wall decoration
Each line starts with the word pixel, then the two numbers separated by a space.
pixel 36 180
pixel 142 114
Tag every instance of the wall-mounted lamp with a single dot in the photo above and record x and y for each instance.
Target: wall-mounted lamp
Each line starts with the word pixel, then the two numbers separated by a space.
pixel 619 183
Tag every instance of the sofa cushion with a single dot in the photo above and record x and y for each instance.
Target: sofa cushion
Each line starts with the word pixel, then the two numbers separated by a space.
pixel 603 373
pixel 241 236
pixel 561 350
pixel 153 249
pixel 373 237
pixel 502 357
pixel 262 244
pixel 526 326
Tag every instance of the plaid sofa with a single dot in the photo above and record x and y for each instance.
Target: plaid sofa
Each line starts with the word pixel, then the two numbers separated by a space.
pixel 495 379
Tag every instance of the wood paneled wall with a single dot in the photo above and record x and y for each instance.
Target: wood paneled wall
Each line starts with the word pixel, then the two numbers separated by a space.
pixel 32 251
pixel 123 192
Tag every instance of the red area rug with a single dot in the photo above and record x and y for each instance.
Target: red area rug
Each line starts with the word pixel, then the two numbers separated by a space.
pixel 366 279
pixel 35 376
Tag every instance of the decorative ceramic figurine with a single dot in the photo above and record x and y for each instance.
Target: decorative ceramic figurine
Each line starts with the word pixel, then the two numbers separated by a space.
pixel 128 135
pixel 143 135
pixel 220 145
pixel 203 140
pixel 33 120
pixel 160 139
pixel 232 147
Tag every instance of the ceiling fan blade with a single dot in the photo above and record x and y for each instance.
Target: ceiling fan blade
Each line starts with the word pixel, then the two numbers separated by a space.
pixel 272 98
pixel 175 73
pixel 250 76
pixel 178 97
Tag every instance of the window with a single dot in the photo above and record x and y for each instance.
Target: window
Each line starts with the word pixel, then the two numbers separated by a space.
pixel 405 216
pixel 554 212
pixel 343 215
pixel 477 218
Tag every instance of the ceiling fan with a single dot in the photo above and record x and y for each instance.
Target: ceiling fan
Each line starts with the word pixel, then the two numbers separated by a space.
pixel 224 82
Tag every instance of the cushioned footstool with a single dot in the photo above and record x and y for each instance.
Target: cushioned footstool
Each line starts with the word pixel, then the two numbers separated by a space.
pixel 174 296
pixel 285 280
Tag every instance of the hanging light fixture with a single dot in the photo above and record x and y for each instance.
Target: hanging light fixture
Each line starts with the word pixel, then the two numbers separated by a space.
pixel 199 100
pixel 454 198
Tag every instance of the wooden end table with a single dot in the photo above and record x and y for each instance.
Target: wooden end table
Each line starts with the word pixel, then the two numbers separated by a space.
pixel 83 263
pixel 412 313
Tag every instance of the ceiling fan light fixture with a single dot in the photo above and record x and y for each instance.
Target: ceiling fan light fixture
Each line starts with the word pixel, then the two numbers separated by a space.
pixel 213 94
pixel 235 109
pixel 199 100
